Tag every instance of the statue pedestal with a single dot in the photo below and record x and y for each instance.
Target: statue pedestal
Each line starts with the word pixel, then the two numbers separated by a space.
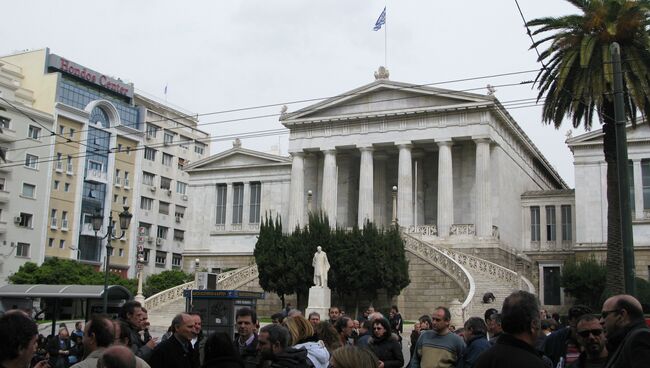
pixel 320 299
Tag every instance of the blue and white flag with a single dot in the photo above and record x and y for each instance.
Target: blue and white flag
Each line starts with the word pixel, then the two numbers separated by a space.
pixel 380 21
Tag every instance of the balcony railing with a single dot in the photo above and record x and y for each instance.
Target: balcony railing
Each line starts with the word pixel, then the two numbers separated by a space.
pixel 53 222
pixel 118 181
pixel 96 176
pixel 69 169
pixel 64 224
pixel 59 166
pixel 126 183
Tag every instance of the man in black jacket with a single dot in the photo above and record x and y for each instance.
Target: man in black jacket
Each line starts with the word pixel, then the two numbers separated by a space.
pixel 246 338
pixel 562 345
pixel 628 337
pixel 176 351
pixel 521 324
pixel 132 313
pixel 273 346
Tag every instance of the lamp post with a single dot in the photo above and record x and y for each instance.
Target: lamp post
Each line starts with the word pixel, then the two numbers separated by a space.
pixel 139 297
pixel 97 220
pixel 310 195
pixel 196 273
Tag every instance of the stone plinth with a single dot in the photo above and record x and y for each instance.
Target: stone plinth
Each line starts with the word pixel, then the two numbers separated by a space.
pixel 320 299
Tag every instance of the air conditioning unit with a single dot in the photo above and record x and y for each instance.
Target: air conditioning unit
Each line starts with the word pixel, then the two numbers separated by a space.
pixel 160 241
pixel 150 239
pixel 152 189
pixel 17 219
pixel 169 193
pixel 184 197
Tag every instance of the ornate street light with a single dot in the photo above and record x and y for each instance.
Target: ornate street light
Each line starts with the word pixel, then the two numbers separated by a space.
pixel 97 221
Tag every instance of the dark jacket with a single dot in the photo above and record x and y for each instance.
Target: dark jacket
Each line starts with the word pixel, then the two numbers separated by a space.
pixel 555 345
pixel 510 352
pixel 248 353
pixel 475 346
pixel 138 347
pixel 581 362
pixel 388 350
pixel 362 341
pixel 290 358
pixel 224 362
pixel 54 344
pixel 171 353
pixel 629 347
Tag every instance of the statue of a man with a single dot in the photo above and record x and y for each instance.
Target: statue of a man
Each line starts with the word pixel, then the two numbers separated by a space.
pixel 321 266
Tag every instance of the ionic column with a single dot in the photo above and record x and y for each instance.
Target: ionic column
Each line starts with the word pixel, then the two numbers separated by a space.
pixel 366 187
pixel 330 181
pixel 297 189
pixel 405 186
pixel 445 189
pixel 246 206
pixel 638 189
pixel 380 189
pixel 418 202
pixel 483 185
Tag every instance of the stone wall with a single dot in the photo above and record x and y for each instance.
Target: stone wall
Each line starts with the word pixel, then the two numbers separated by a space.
pixel 429 288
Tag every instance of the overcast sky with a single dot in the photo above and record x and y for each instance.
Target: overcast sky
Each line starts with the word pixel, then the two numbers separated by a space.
pixel 223 55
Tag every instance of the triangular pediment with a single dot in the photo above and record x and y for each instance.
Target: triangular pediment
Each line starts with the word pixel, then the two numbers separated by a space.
pixel 637 133
pixel 384 96
pixel 236 158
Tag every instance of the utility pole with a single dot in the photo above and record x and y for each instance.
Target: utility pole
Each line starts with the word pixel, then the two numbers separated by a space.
pixel 622 166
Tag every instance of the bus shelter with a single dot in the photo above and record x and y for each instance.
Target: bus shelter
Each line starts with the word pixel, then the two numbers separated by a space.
pixel 57 302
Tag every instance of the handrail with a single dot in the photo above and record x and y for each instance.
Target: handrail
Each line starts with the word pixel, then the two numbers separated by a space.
pixel 445 263
pixel 238 277
pixel 166 296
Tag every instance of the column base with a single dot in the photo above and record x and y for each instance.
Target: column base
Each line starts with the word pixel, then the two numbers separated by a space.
pixel 320 300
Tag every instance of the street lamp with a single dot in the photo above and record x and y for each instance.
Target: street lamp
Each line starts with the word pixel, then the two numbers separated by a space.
pixel 394 195
pixel 97 220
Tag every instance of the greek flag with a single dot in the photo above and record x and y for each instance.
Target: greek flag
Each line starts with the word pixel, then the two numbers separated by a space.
pixel 380 21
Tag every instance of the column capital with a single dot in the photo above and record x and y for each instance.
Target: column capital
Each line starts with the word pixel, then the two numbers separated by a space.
pixel 368 148
pixel 636 160
pixel 329 151
pixel 444 142
pixel 404 144
pixel 481 139
pixel 297 154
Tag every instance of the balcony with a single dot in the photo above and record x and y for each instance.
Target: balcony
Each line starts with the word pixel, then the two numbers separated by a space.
pixel 7 135
pixel 87 229
pixel 96 176
pixel 59 166
pixel 4 196
pixel 64 224
pixel 53 222
pixel 69 169
pixel 127 184
pixel 118 181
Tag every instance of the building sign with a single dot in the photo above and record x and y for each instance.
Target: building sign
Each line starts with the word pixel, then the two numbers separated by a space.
pixel 68 67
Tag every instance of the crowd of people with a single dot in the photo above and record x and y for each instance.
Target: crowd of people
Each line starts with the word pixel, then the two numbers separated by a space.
pixel 518 335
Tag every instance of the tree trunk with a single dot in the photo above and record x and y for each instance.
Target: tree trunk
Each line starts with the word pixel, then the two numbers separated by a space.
pixel 615 276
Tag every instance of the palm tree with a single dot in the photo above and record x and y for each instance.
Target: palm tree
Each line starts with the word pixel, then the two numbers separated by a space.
pixel 576 82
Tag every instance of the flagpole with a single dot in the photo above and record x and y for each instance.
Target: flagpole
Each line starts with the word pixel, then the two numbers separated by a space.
pixel 386 41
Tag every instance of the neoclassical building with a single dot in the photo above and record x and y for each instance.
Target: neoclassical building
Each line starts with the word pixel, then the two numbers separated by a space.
pixel 458 162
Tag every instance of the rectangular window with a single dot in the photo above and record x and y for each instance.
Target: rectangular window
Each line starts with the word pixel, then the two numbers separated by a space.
pixel 127 183
pixel 71 133
pixel 146 255
pixel 161 232
pixel 66 187
pixel 25 220
pixel 566 222
pixel 34 132
pixel 148 178
pixel 115 198
pixel 237 202
pixel 56 184
pixel 255 203
pixel 221 203
pixel 118 180
pixel 630 176
pixel 31 161
pixel 152 130
pixel 59 161
pixel 22 250
pixel 179 212
pixel 645 181
pixel 69 168
pixel 184 142
pixel 2 184
pixel 146 203
pixel 168 138
pixel 147 228
pixel 199 148
pixel 64 220
pixel 29 190
pixel 61 130
pixel 149 154
pixel 53 219
pixel 165 183
pixel 177 259
pixel 167 159
pixel 161 258
pixel 550 223
pixel 179 235
pixel 163 208
pixel 534 223
pixel 181 163
pixel 50 243
pixel 124 201
pixel 181 187
pixel 5 122
pixel 61 244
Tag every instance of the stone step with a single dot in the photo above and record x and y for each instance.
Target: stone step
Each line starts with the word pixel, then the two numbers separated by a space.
pixel 162 317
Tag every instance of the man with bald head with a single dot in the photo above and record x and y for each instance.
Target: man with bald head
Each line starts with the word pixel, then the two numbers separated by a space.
pixel 177 351
pixel 628 337
pixel 117 356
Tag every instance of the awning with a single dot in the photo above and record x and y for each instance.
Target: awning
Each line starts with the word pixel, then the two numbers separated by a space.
pixel 64 291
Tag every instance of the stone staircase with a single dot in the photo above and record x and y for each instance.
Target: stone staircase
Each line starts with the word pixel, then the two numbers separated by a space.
pixel 483 276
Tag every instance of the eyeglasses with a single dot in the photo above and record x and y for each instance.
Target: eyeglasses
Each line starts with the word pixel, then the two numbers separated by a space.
pixel 585 334
pixel 604 314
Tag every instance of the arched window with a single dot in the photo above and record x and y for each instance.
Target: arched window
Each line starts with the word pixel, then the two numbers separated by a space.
pixel 99 115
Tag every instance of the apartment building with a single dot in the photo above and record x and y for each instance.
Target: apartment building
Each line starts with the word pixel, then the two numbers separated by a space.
pixel 98 146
